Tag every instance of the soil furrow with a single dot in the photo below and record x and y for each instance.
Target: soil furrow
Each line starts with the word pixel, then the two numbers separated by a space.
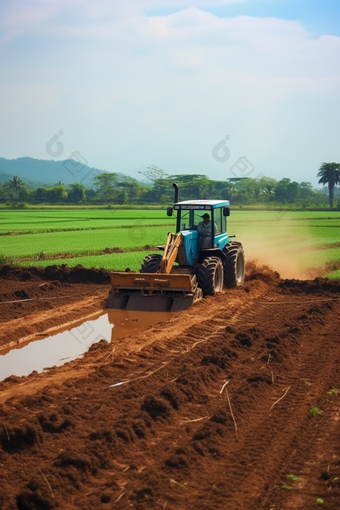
pixel 149 421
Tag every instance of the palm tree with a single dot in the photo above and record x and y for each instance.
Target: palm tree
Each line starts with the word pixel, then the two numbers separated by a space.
pixel 329 173
pixel 15 184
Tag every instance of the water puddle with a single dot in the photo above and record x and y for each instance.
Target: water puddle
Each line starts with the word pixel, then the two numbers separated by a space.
pixel 64 346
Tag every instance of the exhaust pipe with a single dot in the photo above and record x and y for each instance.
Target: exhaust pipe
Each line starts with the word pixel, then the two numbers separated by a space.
pixel 176 192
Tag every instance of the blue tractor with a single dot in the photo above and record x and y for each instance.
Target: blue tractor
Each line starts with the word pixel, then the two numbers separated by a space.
pixel 198 260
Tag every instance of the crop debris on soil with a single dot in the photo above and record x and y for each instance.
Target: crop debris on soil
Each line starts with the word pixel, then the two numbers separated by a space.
pixel 75 437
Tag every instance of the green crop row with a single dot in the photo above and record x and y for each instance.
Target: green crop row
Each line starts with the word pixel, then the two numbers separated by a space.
pixel 111 262
pixel 90 241
pixel 46 220
pixel 300 237
pixel 334 275
pixel 281 216
pixel 317 258
pixel 43 221
pixel 306 239
pixel 83 213
pixel 72 225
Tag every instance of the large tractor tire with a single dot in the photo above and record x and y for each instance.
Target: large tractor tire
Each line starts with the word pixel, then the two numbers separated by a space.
pixel 210 276
pixel 151 263
pixel 234 265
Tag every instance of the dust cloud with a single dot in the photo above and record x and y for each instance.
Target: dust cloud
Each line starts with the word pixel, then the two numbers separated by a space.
pixel 280 247
pixel 271 256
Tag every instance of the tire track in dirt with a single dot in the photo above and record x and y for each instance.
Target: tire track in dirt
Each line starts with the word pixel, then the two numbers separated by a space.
pixel 156 355
pixel 166 438
pixel 170 340
pixel 298 395
pixel 264 431
pixel 317 363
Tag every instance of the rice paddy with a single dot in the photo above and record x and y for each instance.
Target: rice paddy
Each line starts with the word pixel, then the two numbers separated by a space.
pixel 116 239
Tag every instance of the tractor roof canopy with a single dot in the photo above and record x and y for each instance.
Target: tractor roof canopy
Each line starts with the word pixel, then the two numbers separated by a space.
pixel 201 204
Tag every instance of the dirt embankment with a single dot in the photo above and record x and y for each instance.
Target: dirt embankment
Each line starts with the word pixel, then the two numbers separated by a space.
pixel 34 300
pixel 213 409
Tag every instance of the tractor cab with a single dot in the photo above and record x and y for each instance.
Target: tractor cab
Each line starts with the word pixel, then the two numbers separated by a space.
pixel 198 240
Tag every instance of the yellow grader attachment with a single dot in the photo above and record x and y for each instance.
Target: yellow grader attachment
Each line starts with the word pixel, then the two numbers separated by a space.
pixel 159 291
pixel 153 291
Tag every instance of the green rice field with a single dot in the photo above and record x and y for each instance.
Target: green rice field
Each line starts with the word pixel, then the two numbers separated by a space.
pixel 34 221
pixel 296 244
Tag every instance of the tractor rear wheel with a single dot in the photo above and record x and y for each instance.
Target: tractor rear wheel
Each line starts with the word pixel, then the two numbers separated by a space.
pixel 151 263
pixel 234 265
pixel 210 276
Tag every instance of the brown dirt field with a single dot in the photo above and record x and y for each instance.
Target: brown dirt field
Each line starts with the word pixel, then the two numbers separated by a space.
pixel 174 436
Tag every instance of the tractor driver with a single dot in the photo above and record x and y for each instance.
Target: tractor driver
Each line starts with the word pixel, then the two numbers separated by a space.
pixel 204 230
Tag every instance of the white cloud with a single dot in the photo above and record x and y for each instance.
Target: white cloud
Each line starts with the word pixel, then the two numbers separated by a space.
pixel 108 75
pixel 20 14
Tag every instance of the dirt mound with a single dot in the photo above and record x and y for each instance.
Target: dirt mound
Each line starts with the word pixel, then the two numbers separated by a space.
pixel 63 273
pixel 316 286
pixel 26 293
pixel 254 271
pixel 80 274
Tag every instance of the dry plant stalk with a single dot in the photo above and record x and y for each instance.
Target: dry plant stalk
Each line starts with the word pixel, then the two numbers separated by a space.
pixel 194 345
pixel 120 497
pixel 7 434
pixel 231 410
pixel 196 419
pixel 47 482
pixel 177 483
pixel 276 401
pixel 232 414
pixel 140 377
pixel 224 385
pixel 290 377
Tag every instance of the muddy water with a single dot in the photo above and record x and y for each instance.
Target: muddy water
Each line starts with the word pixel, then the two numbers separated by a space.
pixel 66 345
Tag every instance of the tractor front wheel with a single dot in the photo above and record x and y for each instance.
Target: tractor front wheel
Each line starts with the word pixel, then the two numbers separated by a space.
pixel 151 263
pixel 210 276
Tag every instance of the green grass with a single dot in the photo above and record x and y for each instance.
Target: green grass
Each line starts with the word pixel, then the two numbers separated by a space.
pixel 111 262
pixel 334 275
pixel 315 411
pixel 293 245
pixel 304 239
pixel 318 258
pixel 79 242
pixel 46 221
pixel 283 215
pixel 63 207
pixel 55 219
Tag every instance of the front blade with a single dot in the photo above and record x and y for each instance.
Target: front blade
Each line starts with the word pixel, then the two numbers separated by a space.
pixel 151 281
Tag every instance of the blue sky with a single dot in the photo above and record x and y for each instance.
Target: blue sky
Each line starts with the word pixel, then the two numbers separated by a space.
pixel 318 17
pixel 163 82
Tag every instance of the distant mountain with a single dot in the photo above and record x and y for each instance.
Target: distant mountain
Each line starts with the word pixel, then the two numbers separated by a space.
pixel 47 173
pixel 132 163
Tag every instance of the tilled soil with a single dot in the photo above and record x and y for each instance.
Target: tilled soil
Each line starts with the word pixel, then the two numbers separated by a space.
pixel 35 301
pixel 231 404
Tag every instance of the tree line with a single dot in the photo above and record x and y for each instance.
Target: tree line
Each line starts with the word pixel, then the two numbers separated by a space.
pixel 111 188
